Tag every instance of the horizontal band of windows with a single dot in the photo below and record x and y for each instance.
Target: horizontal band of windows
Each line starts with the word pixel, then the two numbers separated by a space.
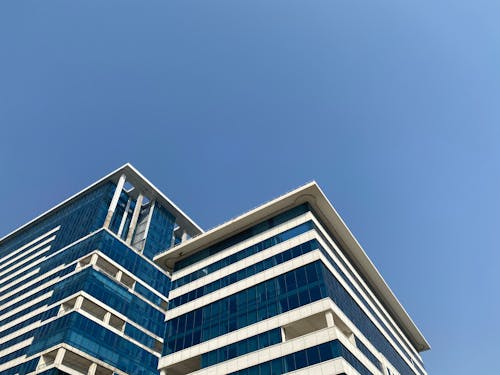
pixel 18 365
pixel 246 307
pixel 244 273
pixel 277 321
pixel 38 307
pixel 43 312
pixel 9 357
pixel 244 284
pixel 16 346
pixel 106 290
pixel 240 275
pixel 20 331
pixel 305 358
pixel 242 236
pixel 34 242
pixel 47 266
pixel 310 320
pixel 354 289
pixel 33 289
pixel 96 340
pixel 120 274
pixel 117 326
pixel 241 347
pixel 22 303
pixel 70 303
pixel 77 218
pixel 136 263
pixel 39 317
pixel 16 340
pixel 104 314
pixel 52 276
pixel 177 301
pixel 274 273
pixel 32 262
pixel 53 261
pixel 114 248
pixel 20 259
pixel 87 306
pixel 29 303
pixel 118 297
pixel 245 253
pixel 270 298
pixel 23 279
pixel 252 258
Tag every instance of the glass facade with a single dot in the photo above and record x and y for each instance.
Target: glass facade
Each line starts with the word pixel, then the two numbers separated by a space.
pixel 241 347
pixel 83 216
pixel 48 263
pixel 280 258
pixel 249 306
pixel 245 272
pixel 240 237
pixel 278 295
pixel 85 334
pixel 245 253
pixel 83 275
pixel 161 231
pixel 304 358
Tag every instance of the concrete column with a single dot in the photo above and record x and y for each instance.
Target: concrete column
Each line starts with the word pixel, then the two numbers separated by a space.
pixel 107 317
pixel 163 372
pixel 59 356
pixel 124 219
pixel 114 201
pixel 148 223
pixel 118 275
pixel 184 236
pixel 135 217
pixel 329 319
pixel 93 259
pixel 92 369
pixel 79 302
pixel 283 334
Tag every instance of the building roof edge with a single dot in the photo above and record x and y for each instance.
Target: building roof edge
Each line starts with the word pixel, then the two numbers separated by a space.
pixel 133 174
pixel 312 194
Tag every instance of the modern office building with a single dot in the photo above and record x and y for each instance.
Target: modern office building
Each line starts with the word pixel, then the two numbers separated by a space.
pixel 79 292
pixel 117 279
pixel 284 288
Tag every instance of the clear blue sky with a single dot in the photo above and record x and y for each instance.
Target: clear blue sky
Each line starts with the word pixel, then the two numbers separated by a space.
pixel 393 107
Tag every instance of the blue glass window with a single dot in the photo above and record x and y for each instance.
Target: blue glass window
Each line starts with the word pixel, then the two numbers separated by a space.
pixel 242 236
pixel 305 358
pixel 242 254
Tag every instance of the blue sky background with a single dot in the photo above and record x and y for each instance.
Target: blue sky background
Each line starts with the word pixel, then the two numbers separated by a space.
pixel 393 107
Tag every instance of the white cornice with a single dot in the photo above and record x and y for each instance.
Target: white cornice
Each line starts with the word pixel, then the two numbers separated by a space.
pixel 324 210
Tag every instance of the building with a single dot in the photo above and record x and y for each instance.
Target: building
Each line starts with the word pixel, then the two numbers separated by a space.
pixel 79 292
pixel 285 287
pixel 117 279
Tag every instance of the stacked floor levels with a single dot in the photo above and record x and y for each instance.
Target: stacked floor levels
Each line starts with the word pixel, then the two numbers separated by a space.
pixel 79 292
pixel 284 288
pixel 118 280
